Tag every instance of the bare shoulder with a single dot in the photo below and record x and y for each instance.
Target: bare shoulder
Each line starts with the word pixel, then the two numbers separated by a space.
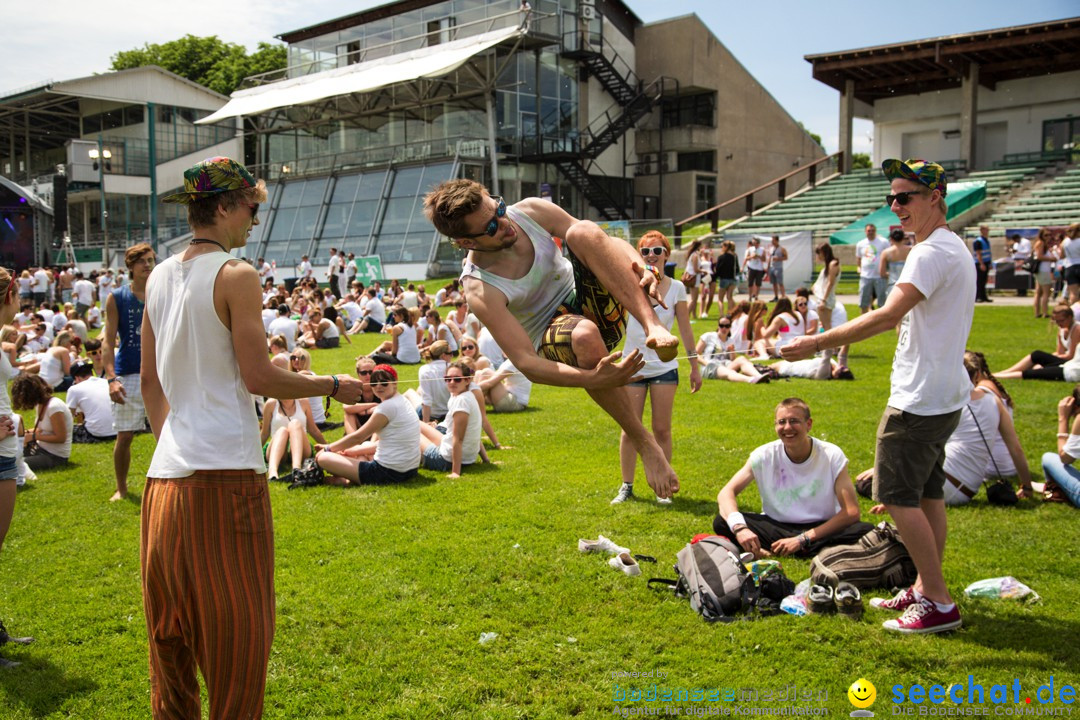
pixel 547 215
pixel 238 269
pixel 479 294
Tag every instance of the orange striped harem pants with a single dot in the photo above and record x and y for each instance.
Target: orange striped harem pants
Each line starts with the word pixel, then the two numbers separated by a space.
pixel 207 560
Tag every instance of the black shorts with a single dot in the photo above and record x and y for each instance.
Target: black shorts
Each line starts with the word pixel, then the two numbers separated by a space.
pixel 1072 275
pixel 754 277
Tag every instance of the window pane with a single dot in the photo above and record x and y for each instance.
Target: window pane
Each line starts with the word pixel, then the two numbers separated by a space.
pixel 283 224
pixel 407 182
pixel 389 248
pixel 362 215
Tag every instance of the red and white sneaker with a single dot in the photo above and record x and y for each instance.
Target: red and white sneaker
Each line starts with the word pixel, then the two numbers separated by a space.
pixel 899 602
pixel 924 617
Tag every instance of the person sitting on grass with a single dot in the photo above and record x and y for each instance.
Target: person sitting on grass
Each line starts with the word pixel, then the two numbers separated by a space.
pixel 320 331
pixel 434 395
pixel 48 444
pixel 460 446
pixel 1062 478
pixel 1062 364
pixel 807 499
pixel 56 363
pixel 373 314
pixel 285 426
pixel 716 350
pixel 88 397
pixel 403 347
pixel 505 389
pixel 300 363
pixel 357 414
pixel 784 324
pixel 470 350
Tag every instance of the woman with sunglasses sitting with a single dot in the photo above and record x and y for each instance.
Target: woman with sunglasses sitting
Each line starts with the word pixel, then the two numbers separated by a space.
pixel 717 351
pixel 809 316
pixel 403 347
pixel 394 458
pixel 460 446
pixel 285 424
pixel 470 350
pixel 1063 363
pixel 300 362
pixel 660 379
pixel 359 413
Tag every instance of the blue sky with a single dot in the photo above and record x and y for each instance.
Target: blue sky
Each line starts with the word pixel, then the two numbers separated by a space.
pixel 64 39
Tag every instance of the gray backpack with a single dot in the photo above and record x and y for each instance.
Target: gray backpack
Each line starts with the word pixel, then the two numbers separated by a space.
pixel 712 578
pixel 878 560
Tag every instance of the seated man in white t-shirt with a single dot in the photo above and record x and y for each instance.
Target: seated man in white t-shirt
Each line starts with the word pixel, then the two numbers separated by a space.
pixel 88 396
pixel 374 314
pixel 505 389
pixel 807 498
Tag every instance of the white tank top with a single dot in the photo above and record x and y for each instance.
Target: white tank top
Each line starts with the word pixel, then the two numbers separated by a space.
pixel 407 350
pixel 1064 335
pixel 789 330
pixel 52 371
pixel 211 423
pixel 280 420
pixel 738 334
pixel 966 455
pixel 534 298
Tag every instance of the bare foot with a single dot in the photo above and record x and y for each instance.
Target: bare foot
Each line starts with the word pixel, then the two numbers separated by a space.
pixel 117 496
pixel 658 472
pixel 336 480
pixel 663 343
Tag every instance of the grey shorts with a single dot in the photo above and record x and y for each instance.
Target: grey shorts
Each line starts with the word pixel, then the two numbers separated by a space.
pixel 910 456
pixel 869 288
pixel 776 274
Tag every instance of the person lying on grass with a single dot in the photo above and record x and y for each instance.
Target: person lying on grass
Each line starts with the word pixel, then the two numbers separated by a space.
pixel 356 459
pixel 807 498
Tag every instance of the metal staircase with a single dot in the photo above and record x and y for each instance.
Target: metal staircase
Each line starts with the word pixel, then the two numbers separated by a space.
pixel 632 103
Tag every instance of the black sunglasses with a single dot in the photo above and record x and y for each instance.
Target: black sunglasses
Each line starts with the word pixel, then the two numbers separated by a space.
pixel 254 207
pixel 468 347
pixel 727 325
pixel 363 372
pixel 493 224
pixel 658 250
pixel 902 197
pixel 455 380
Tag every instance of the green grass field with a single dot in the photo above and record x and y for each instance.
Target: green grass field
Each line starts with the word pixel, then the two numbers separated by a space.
pixel 382 593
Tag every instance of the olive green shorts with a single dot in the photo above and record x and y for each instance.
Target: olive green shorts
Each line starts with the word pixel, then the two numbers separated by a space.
pixel 910 456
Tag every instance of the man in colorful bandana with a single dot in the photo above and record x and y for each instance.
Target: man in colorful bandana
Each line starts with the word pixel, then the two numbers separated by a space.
pixel 933 303
pixel 207 545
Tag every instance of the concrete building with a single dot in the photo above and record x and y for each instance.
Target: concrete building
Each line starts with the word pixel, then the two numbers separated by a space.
pixel 974 100
pixel 574 100
pixel 122 140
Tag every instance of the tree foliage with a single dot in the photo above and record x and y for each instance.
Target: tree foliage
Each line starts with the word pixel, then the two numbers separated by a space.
pixel 813 135
pixel 208 61
pixel 860 161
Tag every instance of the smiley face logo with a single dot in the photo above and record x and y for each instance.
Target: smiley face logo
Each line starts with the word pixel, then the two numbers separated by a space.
pixel 862 693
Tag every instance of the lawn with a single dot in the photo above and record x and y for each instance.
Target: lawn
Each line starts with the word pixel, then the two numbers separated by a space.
pixel 382 593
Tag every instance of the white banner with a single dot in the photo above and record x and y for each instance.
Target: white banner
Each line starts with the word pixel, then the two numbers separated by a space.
pixel 798 268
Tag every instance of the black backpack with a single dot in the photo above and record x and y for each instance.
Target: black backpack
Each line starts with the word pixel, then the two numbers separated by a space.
pixel 878 560
pixel 712 578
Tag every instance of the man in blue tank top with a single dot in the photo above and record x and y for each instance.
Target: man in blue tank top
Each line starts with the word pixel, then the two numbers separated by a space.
pixel 123 320
pixel 558 319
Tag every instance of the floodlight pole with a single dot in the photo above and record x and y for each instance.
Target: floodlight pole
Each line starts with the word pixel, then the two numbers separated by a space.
pixel 104 212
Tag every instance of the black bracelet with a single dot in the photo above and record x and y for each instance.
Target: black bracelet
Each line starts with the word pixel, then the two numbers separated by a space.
pixel 334 391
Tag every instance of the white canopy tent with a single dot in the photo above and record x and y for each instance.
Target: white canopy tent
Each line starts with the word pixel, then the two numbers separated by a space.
pixel 427 62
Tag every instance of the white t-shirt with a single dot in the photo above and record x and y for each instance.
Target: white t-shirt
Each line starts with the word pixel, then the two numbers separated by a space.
pixel 91 398
pixel 489 348
pixel 286 326
pixel 376 310
pixel 399 441
pixel 928 376
pixel 868 251
pixel 445 334
pixel 798 493
pixel 58 322
pixel 635 334
pixel 93 316
pixel 105 283
pixel 305 269
pixel 269 315
pixel 9 445
pixel 352 311
pixel 462 408
pixel 84 292
pixel 715 347
pixel 409 299
pixel 518 385
pixel 60 449
pixel 755 258
pixel 433 390
pixel 41 281
pixel 1022 249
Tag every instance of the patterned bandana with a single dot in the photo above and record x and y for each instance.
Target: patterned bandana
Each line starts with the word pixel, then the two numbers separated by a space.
pixel 923 172
pixel 211 177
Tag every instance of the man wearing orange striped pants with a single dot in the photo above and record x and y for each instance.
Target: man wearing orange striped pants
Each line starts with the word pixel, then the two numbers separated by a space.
pixel 207 550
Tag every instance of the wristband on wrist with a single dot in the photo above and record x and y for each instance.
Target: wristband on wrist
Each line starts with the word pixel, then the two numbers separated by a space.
pixel 1063 434
pixel 735 518
pixel 334 391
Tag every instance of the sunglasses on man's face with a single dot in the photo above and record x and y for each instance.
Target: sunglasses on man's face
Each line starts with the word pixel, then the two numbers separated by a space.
pixel 646 251
pixel 901 197
pixel 493 224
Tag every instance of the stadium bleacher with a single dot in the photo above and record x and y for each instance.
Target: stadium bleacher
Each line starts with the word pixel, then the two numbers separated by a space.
pixel 1054 201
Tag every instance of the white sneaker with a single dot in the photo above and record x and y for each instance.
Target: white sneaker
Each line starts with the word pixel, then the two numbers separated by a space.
pixel 600 544
pixel 625 562
pixel 626 491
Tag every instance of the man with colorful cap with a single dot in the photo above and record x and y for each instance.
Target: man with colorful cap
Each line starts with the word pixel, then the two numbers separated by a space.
pixel 933 301
pixel 207 548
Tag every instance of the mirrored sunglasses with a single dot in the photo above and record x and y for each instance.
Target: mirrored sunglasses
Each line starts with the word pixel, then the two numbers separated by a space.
pixel 493 224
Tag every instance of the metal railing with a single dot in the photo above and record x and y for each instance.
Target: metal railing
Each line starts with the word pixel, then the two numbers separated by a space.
pixel 440 36
pixel 463 146
pixel 813 169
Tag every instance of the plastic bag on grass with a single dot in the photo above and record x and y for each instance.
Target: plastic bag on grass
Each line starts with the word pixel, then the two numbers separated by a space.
pixel 1001 587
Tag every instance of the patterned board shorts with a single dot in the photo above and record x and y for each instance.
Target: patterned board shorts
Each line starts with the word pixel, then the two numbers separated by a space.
pixel 131 416
pixel 591 301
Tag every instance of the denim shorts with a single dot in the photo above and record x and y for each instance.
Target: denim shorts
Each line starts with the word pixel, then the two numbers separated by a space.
pixel 9 468
pixel 433 460
pixel 725 283
pixel 671 377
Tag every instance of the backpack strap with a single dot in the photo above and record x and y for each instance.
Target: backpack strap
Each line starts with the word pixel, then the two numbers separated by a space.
pixel 667 583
